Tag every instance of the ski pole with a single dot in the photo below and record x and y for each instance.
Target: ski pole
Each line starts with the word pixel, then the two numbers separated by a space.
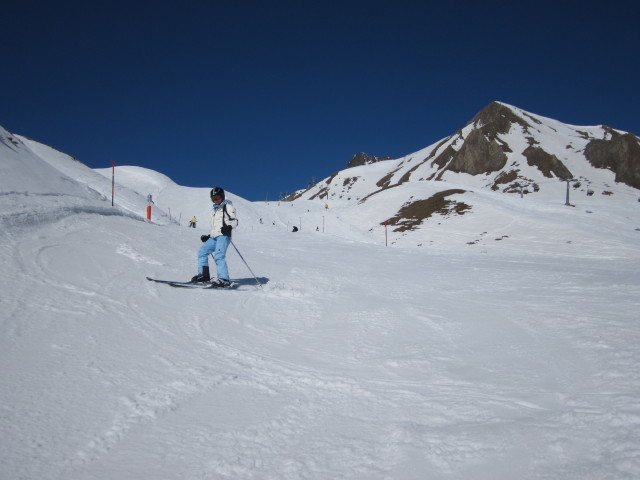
pixel 245 262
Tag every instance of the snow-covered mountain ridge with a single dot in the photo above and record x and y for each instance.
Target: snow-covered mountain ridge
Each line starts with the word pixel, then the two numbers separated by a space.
pixel 484 182
pixel 503 149
pixel 511 150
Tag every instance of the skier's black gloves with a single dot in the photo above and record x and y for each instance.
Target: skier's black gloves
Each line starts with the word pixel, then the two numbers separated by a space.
pixel 204 238
pixel 226 230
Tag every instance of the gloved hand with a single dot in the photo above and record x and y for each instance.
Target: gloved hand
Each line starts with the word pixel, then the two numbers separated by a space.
pixel 226 230
pixel 204 238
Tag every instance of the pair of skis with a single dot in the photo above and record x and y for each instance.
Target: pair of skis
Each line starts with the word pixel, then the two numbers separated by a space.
pixel 201 285
pixel 208 286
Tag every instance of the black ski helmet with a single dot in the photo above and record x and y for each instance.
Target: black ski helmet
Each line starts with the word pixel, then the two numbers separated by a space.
pixel 217 191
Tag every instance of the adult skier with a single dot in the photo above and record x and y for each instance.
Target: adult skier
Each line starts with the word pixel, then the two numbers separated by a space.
pixel 223 220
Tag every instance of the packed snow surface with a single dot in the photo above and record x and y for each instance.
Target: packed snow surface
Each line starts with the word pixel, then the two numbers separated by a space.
pixel 514 357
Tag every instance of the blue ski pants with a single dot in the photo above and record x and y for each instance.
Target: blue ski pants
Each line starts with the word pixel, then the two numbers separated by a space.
pixel 218 246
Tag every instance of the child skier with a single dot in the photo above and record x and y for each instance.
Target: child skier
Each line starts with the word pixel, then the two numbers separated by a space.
pixel 223 220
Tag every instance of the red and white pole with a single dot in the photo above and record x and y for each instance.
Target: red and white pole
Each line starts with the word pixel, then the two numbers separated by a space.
pixel 149 207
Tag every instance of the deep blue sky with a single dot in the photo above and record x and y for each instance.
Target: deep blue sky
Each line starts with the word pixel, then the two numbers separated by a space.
pixel 259 97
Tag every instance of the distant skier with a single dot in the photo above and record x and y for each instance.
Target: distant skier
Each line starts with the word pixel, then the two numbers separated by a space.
pixel 192 223
pixel 223 220
pixel 295 229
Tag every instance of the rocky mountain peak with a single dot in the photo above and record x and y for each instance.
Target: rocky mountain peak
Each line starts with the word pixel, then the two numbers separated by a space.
pixel 497 118
pixel 481 151
pixel 363 159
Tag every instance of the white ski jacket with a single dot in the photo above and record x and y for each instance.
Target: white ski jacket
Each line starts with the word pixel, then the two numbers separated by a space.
pixel 217 212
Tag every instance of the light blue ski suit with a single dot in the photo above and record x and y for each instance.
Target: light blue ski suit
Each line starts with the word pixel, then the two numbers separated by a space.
pixel 218 243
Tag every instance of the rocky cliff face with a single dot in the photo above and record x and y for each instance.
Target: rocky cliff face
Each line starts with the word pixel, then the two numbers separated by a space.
pixel 620 154
pixel 478 154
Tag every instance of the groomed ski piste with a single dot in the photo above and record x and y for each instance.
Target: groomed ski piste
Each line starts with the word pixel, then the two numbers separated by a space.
pixel 499 349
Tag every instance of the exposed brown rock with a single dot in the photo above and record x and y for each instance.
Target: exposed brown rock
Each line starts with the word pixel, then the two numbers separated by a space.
pixel 478 154
pixel 412 214
pixel 363 159
pixel 497 119
pixel 548 164
pixel 503 178
pixel 621 154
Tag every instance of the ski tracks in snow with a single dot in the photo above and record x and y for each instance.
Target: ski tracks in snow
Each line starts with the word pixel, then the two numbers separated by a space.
pixel 335 369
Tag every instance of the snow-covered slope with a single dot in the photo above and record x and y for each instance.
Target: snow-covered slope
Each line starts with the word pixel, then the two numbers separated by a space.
pixel 513 357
